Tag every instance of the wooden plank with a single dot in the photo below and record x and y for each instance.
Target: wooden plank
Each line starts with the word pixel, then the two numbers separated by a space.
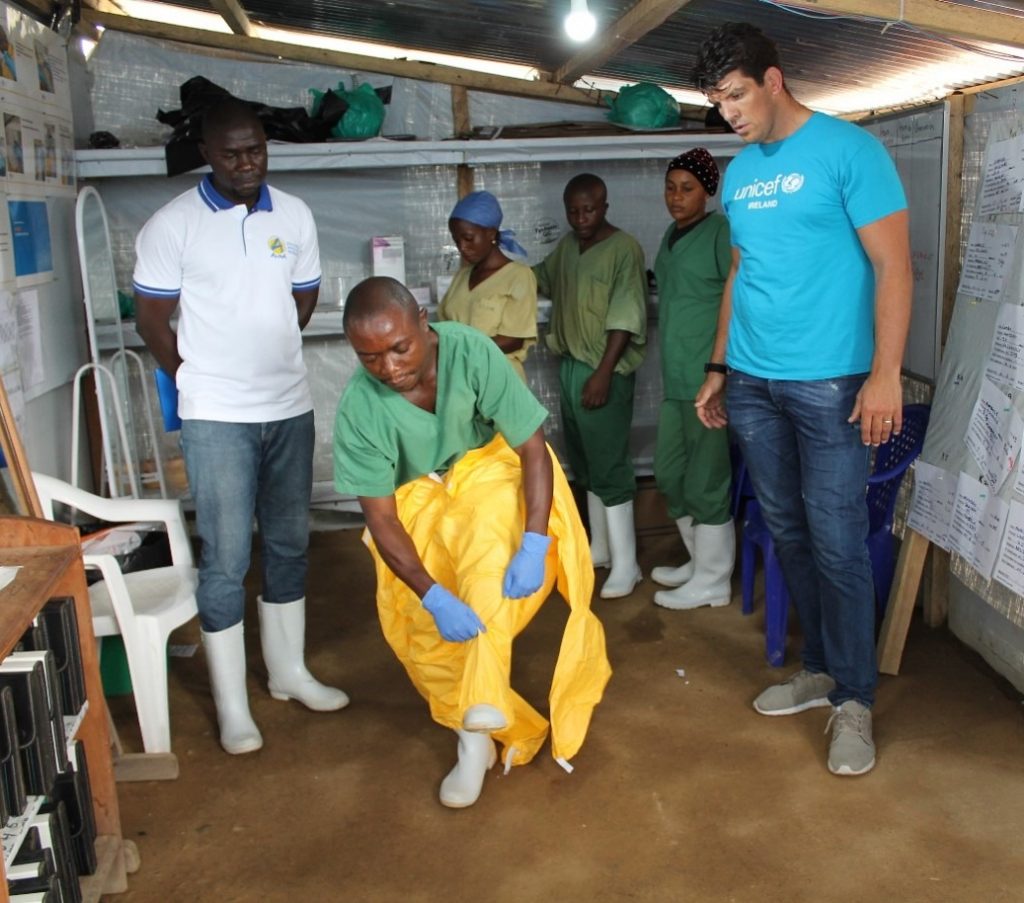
pixel 902 597
pixel 976 23
pixel 638 20
pixel 131 767
pixel 110 876
pixel 936 587
pixel 279 50
pixel 461 126
pixel 232 13
pixel 39 577
pixel 17 462
pixel 954 211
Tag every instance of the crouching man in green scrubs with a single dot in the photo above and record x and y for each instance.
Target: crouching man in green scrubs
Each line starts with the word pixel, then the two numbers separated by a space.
pixel 691 462
pixel 596 281
pixel 471 523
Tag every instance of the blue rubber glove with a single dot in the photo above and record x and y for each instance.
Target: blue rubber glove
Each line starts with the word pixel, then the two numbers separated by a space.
pixel 455 620
pixel 525 572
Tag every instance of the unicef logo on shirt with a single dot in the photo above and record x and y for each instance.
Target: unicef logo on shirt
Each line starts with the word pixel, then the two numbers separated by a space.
pixel 793 182
pixel 276 246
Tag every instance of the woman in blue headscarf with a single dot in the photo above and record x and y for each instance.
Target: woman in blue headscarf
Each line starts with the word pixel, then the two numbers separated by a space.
pixel 496 295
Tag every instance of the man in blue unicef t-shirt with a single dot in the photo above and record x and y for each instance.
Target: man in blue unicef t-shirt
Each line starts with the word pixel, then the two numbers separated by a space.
pixel 809 359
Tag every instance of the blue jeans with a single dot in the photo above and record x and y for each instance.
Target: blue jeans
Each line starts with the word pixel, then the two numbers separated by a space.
pixel 237 471
pixel 809 469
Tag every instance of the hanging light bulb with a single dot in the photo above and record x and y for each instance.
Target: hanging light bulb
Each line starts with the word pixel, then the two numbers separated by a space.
pixel 580 24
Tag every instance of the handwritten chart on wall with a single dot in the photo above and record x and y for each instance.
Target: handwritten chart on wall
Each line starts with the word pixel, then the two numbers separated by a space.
pixel 917 142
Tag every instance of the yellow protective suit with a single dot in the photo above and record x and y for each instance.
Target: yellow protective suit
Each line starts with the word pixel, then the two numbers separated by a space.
pixel 466 529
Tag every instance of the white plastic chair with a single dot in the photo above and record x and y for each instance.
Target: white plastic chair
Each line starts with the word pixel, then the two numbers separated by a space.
pixel 144 606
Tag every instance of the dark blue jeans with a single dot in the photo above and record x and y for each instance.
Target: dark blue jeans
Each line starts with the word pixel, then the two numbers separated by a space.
pixel 809 469
pixel 237 471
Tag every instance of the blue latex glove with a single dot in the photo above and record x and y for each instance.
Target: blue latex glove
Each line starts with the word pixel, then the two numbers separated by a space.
pixel 455 620
pixel 525 572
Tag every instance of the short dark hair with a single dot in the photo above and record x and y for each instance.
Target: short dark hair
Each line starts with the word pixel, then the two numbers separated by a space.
pixel 585 181
pixel 734 45
pixel 226 114
pixel 375 296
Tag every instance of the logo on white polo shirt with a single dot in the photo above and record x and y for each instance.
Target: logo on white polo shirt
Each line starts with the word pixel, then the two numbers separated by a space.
pixel 760 194
pixel 276 246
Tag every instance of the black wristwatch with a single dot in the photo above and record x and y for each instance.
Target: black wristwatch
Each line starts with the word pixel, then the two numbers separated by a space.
pixel 712 367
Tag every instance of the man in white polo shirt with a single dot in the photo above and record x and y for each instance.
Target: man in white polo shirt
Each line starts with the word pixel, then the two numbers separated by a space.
pixel 240 261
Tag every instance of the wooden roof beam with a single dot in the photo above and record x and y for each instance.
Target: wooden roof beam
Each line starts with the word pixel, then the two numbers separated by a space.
pixel 642 17
pixel 430 72
pixel 937 16
pixel 231 12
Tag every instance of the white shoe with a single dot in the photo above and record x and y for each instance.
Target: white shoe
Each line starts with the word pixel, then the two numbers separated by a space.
pixel 714 555
pixel 283 637
pixel 483 718
pixel 599 555
pixel 668 576
pixel 462 786
pixel 225 658
pixel 625 573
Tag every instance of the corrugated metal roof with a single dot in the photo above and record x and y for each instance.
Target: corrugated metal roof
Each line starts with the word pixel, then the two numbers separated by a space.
pixel 823 58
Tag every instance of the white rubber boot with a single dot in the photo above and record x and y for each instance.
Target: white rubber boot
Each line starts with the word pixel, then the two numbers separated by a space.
pixel 462 786
pixel 225 658
pixel 599 555
pixel 625 573
pixel 483 718
pixel 673 577
pixel 714 555
pixel 283 638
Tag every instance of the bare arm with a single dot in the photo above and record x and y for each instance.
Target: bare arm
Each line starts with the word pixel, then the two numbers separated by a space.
pixel 596 388
pixel 710 401
pixel 305 301
pixel 394 543
pixel 879 404
pixel 153 324
pixel 508 343
pixel 538 482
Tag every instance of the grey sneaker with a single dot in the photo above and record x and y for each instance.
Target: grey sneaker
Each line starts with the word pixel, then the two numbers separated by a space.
pixel 804 690
pixel 852 750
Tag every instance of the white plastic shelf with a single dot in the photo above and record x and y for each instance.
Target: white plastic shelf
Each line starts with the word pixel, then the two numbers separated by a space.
pixel 381 153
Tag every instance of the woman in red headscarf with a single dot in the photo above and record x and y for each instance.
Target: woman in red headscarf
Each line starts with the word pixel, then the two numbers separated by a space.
pixel 691 463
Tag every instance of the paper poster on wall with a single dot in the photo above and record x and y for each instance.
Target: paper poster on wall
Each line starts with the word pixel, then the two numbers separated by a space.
pixel 979 516
pixel 66 154
pixel 1009 568
pixel 8 332
pixel 8 63
pixel 1005 363
pixel 994 434
pixel 30 237
pixel 989 254
pixel 6 246
pixel 931 508
pixel 1003 178
pixel 30 339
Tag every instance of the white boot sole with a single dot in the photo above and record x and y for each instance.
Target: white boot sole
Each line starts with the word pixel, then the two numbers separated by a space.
pixel 620 592
pixel 819 703
pixel 689 606
pixel 342 701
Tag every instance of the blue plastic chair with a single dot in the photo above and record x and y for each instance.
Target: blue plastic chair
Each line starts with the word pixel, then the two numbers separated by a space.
pixel 891 463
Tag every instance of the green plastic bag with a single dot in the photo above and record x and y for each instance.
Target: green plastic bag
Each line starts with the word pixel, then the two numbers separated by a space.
pixel 365 113
pixel 644 106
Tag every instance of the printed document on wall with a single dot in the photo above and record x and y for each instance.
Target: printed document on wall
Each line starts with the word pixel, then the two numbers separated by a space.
pixel 989 254
pixel 994 434
pixel 976 530
pixel 931 508
pixel 1006 356
pixel 1003 178
pixel 1010 565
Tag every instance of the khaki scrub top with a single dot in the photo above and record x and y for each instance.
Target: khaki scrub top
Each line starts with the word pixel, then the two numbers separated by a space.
pixel 382 441
pixel 505 303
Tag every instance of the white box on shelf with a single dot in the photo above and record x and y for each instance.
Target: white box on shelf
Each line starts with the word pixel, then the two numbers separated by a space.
pixel 388 252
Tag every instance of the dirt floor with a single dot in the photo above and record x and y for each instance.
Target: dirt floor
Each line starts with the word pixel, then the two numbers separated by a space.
pixel 681 792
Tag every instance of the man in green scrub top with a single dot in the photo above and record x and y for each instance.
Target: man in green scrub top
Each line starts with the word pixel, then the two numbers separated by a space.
pixel 442 444
pixel 691 462
pixel 596 281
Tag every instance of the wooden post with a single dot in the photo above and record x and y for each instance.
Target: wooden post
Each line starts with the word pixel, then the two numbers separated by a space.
pixel 902 597
pixel 462 129
pixel 936 587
